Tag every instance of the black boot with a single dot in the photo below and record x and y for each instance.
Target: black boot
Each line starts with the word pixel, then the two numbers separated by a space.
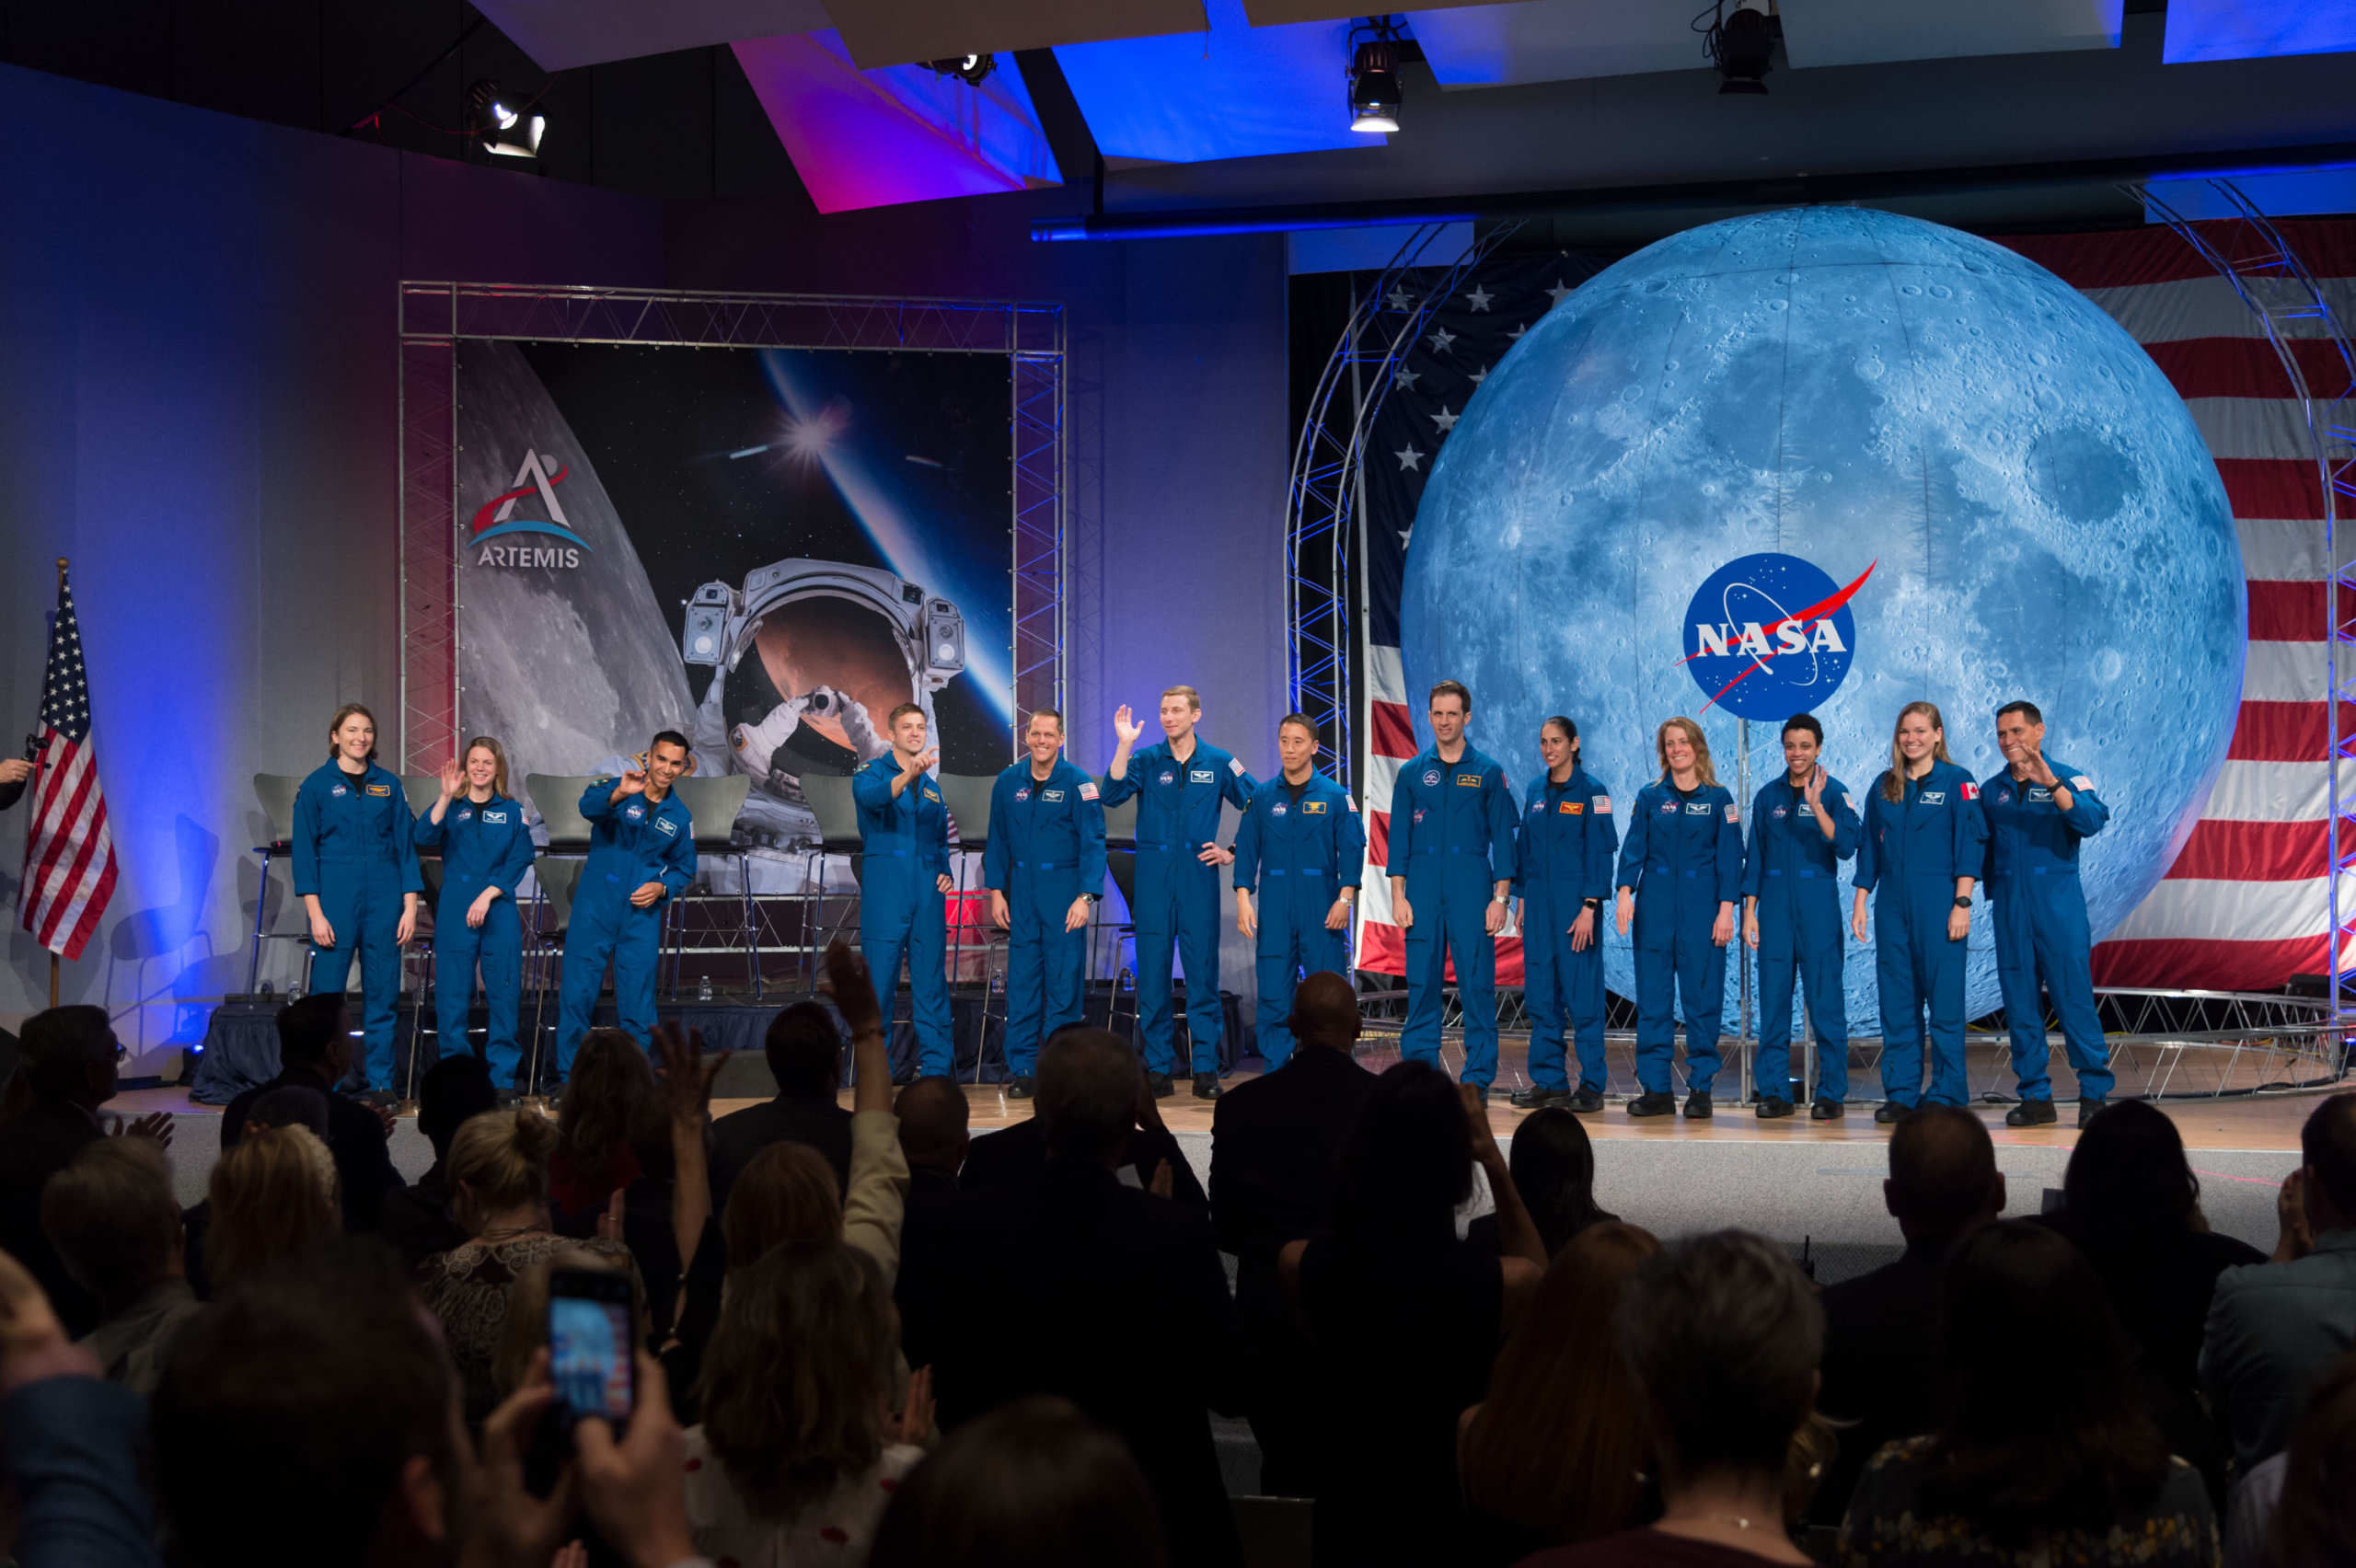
pixel 1826 1111
pixel 1535 1098
pixel 1697 1105
pixel 1158 1085
pixel 1662 1104
pixel 1022 1088
pixel 1771 1109
pixel 1207 1086
pixel 2032 1114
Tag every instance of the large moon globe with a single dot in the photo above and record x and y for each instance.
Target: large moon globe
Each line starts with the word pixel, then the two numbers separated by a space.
pixel 1857 390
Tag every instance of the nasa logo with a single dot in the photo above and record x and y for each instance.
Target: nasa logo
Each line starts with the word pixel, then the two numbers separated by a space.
pixel 634 813
pixel 2003 796
pixel 339 790
pixel 467 813
pixel 1277 810
pixel 1537 808
pixel 1419 814
pixel 1023 793
pixel 1768 636
pixel 1431 777
pixel 497 516
pixel 1167 776
pixel 1777 813
pixel 1669 808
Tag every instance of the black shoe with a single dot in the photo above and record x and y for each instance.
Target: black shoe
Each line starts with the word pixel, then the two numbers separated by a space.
pixel 1586 1099
pixel 1535 1097
pixel 509 1099
pixel 1826 1111
pixel 1158 1085
pixel 1662 1104
pixel 1207 1086
pixel 1771 1109
pixel 1697 1106
pixel 1021 1087
pixel 2032 1114
pixel 2089 1108
pixel 1891 1111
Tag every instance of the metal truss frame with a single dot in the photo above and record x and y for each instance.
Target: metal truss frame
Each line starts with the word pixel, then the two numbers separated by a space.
pixel 436 316
pixel 1325 500
pixel 2252 255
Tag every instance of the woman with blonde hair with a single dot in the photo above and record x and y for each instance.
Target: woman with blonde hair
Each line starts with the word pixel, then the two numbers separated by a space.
pixel 486 848
pixel 355 871
pixel 1681 873
pixel 1921 851
pixel 498 1168
pixel 271 1194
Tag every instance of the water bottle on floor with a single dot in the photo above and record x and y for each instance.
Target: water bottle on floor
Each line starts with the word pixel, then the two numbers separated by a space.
pixel 703 990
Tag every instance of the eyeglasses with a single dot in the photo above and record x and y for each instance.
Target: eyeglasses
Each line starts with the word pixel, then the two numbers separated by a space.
pixel 122 1053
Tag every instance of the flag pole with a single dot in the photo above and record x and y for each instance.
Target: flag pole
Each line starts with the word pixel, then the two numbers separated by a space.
pixel 53 952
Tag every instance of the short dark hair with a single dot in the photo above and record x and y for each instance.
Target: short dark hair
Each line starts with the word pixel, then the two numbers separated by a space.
pixel 1456 689
pixel 2022 705
pixel 1802 721
pixel 1725 1334
pixel 1407 1160
pixel 2128 1184
pixel 804 1047
pixel 1942 1163
pixel 1570 731
pixel 289 1405
pixel 1054 713
pixel 2327 1147
pixel 894 717
pixel 1034 1482
pixel 1088 1093
pixel 289 1105
pixel 933 1119
pixel 60 1045
pixel 307 1026
pixel 1299 720
pixel 110 1215
pixel 668 738
pixel 456 1087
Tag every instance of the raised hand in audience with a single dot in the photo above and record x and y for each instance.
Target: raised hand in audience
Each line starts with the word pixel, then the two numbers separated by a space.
pixel 854 994
pixel 637 1488
pixel 1516 1232
pixel 913 1423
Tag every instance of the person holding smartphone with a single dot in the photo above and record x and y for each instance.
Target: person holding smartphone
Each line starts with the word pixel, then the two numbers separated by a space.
pixel 1801 825
pixel 355 871
pixel 486 849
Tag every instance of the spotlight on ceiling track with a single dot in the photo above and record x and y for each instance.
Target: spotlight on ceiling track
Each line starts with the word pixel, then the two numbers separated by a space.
pixel 506 129
pixel 1374 75
pixel 969 69
pixel 1741 43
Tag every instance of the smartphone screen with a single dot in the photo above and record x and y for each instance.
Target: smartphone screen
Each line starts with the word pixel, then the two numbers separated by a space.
pixel 590 1340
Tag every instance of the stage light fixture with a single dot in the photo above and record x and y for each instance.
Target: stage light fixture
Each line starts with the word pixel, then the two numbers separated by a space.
pixel 1374 76
pixel 1741 43
pixel 969 69
pixel 506 129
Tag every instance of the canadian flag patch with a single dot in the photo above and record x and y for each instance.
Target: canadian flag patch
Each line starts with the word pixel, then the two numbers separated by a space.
pixel 1088 790
pixel 1603 805
pixel 1970 790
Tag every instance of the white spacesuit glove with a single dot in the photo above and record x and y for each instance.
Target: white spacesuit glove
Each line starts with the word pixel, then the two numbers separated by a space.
pixel 754 743
pixel 859 730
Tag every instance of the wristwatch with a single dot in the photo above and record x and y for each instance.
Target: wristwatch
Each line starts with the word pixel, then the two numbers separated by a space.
pixel 1093 897
pixel 1592 903
pixel 1963 903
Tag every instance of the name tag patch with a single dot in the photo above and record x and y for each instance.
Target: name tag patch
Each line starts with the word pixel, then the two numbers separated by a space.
pixel 1699 808
pixel 1932 798
pixel 1201 776
pixel 1571 808
pixel 2039 792
pixel 668 825
pixel 930 795
pixel 1051 794
pixel 497 818
pixel 380 788
pixel 1468 780
pixel 1311 808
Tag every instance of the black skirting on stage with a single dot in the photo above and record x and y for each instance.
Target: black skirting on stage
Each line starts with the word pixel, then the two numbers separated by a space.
pixel 240 1047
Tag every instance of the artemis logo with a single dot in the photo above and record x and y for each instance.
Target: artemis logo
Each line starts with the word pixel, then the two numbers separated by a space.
pixel 497 516
pixel 1769 635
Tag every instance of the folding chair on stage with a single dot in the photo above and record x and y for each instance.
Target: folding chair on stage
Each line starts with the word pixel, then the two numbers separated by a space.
pixel 967 796
pixel 712 805
pixel 1121 865
pixel 557 879
pixel 282 916
pixel 830 801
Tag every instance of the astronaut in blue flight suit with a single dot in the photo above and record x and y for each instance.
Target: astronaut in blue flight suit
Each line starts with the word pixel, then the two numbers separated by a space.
pixel 2037 811
pixel 1303 847
pixel 642 850
pixel 1180 783
pixel 486 848
pixel 1451 865
pixel 1924 850
pixel 1681 870
pixel 1801 825
pixel 1045 868
pixel 903 883
pixel 1562 875
pixel 355 869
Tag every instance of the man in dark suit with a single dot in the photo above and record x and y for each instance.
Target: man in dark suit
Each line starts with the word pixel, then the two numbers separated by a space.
pixel 315 1053
pixel 1272 1142
pixel 1881 1357
pixel 1019 1152
pixel 805 1056
pixel 1072 1283
pixel 934 1118
pixel 66 1072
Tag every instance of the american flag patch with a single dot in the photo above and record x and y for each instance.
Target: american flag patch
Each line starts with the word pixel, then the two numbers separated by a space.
pixel 1603 805
pixel 1088 790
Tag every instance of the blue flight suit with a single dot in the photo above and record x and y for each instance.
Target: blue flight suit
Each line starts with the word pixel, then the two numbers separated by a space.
pixel 1790 867
pixel 1451 837
pixel 353 851
pixel 1683 858
pixel 1300 852
pixel 1046 849
pixel 1563 859
pixel 1913 849
pixel 2041 930
pixel 631 843
pixel 483 844
pixel 902 910
pixel 1177 895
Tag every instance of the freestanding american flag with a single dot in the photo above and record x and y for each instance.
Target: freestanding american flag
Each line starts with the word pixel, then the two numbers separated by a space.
pixel 69 855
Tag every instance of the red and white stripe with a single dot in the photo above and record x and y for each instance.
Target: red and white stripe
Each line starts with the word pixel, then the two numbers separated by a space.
pixel 2244 907
pixel 69 853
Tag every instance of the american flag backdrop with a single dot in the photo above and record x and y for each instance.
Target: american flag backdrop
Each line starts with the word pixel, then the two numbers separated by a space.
pixel 69 855
pixel 2243 907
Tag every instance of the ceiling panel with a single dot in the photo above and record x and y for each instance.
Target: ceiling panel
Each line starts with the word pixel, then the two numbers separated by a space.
pixel 1555 41
pixel 1277 13
pixel 893 32
pixel 1235 91
pixel 877 138
pixel 1862 32
pixel 2246 30
pixel 561 34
